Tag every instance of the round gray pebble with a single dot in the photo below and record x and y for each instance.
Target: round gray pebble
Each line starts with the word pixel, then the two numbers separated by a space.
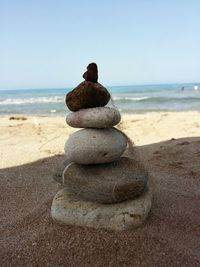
pixel 91 146
pixel 101 117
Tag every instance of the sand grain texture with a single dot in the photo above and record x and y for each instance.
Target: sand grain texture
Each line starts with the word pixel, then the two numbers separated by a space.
pixel 168 144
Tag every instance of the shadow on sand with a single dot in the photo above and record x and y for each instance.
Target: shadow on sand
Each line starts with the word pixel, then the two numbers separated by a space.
pixel 169 236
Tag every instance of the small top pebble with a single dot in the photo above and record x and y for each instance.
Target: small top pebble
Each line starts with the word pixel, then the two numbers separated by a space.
pixel 91 75
pixel 88 94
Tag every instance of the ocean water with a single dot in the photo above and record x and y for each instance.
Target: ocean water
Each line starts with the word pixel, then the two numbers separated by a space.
pixel 128 99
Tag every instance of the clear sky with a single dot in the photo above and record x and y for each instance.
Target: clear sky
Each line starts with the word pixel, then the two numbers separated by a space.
pixel 48 44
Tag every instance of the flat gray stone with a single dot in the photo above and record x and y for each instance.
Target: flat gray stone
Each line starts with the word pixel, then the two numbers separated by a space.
pixel 93 146
pixel 101 117
pixel 106 183
pixel 68 209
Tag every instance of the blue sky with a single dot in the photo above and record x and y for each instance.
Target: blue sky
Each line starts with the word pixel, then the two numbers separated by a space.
pixel 48 44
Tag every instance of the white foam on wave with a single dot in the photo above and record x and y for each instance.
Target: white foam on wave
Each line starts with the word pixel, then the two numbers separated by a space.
pixel 130 98
pixel 31 100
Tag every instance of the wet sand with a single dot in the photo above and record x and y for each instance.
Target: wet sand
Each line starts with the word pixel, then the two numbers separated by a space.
pixel 31 154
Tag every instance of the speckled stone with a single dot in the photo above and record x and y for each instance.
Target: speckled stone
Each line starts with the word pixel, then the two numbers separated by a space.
pixel 67 208
pixel 106 183
pixel 93 146
pixel 101 117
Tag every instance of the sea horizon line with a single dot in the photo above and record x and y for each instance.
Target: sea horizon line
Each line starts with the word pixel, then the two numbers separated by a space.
pixel 110 86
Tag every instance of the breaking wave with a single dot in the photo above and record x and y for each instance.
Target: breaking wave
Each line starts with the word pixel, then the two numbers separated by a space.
pixel 32 100
pixel 120 98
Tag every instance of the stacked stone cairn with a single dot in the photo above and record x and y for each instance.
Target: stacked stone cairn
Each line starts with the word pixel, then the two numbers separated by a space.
pixel 102 188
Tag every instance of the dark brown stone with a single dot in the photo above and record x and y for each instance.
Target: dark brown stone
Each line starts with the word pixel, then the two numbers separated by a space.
pixel 87 95
pixel 106 183
pixel 91 75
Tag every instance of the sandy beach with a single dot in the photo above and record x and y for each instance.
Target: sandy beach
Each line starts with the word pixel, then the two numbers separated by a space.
pixel 168 143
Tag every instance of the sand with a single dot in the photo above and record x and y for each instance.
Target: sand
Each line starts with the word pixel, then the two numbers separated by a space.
pixel 32 152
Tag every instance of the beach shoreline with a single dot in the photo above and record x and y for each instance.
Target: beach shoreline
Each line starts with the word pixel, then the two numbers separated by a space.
pixel 129 99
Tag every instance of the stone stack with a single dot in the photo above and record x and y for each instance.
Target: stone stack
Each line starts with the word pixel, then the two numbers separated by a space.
pixel 103 189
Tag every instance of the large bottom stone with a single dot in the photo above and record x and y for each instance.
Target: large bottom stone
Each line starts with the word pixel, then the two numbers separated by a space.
pixel 68 209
